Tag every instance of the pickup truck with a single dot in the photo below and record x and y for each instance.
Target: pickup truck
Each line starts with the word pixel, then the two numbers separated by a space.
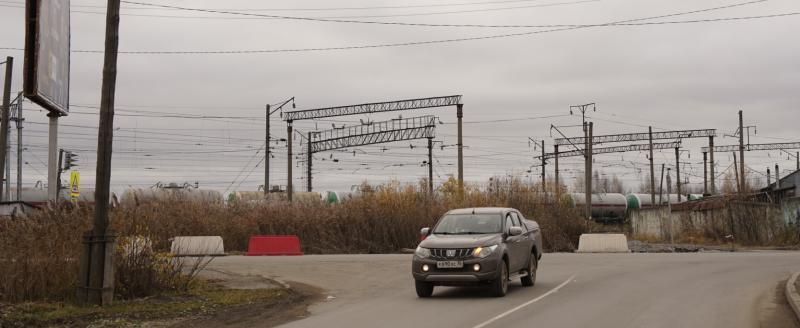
pixel 478 246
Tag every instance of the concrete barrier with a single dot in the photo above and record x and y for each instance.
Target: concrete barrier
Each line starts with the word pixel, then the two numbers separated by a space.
pixel 603 243
pixel 274 245
pixel 197 246
pixel 792 295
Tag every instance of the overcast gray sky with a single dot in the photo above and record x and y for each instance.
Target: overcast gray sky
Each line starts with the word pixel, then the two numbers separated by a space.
pixel 670 76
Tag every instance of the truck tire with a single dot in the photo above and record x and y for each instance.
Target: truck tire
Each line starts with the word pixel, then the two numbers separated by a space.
pixel 529 279
pixel 500 286
pixel 424 289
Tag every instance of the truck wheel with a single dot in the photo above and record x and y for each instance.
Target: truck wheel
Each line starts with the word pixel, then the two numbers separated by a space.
pixel 529 279
pixel 500 286
pixel 424 289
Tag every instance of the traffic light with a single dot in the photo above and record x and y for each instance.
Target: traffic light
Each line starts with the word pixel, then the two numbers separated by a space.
pixel 70 160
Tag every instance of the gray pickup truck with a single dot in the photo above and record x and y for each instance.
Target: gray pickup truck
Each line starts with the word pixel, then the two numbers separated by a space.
pixel 478 246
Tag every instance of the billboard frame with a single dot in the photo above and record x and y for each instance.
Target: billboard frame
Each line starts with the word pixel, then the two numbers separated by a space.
pixel 33 87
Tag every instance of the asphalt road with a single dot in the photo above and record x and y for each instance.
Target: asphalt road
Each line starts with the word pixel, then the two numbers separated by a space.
pixel 573 290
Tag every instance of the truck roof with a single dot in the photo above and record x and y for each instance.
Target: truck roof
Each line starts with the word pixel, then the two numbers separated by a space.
pixel 481 210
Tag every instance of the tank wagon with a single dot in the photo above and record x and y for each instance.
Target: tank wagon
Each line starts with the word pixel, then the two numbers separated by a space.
pixel 608 207
pixel 172 193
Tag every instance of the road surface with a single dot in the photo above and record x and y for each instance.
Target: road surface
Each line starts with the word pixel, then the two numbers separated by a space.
pixel 573 290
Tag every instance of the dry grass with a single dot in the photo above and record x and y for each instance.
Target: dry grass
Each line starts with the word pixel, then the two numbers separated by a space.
pixel 40 252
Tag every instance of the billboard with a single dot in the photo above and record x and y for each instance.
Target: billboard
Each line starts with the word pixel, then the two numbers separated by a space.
pixel 47 50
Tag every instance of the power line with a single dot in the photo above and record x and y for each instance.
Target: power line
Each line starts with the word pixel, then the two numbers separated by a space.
pixel 330 8
pixel 441 41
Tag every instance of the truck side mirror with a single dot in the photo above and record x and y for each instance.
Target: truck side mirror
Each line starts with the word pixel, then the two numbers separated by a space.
pixel 424 232
pixel 515 231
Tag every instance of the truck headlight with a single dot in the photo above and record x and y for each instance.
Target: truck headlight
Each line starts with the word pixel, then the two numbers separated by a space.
pixel 422 253
pixel 482 252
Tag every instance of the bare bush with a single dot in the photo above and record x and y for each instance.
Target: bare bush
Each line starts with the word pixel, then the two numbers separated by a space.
pixel 40 253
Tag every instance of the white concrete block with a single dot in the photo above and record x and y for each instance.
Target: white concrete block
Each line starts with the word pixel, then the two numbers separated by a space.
pixel 197 246
pixel 603 243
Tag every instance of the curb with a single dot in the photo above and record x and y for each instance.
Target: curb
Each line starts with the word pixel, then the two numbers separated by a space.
pixel 792 296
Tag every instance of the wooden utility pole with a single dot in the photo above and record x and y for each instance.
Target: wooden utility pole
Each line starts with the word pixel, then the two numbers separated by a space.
pixel 98 243
pixel 4 116
pixel 742 184
pixel 652 170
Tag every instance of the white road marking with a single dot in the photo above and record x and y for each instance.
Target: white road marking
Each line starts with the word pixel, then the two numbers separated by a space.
pixel 504 314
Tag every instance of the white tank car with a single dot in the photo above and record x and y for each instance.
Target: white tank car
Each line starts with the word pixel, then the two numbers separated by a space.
pixel 338 197
pixel 246 197
pixel 137 196
pixel 605 207
pixel 639 201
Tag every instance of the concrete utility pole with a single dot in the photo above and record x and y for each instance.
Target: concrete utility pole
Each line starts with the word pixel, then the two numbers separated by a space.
pixel 544 163
pixel 308 167
pixel 19 145
pixel 769 178
pixel 289 190
pixel 736 171
pixel 558 183
pixel 661 187
pixel 460 115
pixel 777 177
pixel 7 193
pixel 97 287
pixel 588 150
pixel 711 163
pixel 652 169
pixel 430 167
pixel 797 158
pixel 705 174
pixel 266 153
pixel 678 172
pixel 669 210
pixel 4 117
pixel 52 157
pixel 742 184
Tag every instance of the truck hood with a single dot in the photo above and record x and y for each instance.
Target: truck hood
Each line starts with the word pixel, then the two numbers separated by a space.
pixel 461 241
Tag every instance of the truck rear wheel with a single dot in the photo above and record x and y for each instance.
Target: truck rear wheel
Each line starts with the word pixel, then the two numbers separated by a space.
pixel 529 279
pixel 424 289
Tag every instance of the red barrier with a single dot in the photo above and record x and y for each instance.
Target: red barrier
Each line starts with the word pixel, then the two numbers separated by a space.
pixel 274 245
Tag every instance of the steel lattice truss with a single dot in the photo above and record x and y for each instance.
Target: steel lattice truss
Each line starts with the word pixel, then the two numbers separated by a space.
pixel 375 133
pixel 616 149
pixel 388 106
pixel 769 146
pixel 680 134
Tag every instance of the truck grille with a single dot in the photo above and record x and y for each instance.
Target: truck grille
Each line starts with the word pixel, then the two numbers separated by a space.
pixel 453 254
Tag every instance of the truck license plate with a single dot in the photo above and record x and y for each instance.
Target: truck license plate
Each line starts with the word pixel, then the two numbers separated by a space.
pixel 450 264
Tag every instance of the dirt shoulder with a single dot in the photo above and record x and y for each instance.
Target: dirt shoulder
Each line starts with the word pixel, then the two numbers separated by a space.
pixel 213 303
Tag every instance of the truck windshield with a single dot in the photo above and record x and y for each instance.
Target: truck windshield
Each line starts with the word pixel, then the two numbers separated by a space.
pixel 467 224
